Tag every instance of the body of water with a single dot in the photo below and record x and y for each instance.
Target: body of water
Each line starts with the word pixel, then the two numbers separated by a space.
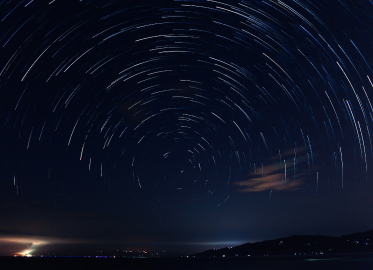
pixel 275 263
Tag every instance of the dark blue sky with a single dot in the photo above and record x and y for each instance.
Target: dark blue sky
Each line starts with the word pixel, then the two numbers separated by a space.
pixel 183 125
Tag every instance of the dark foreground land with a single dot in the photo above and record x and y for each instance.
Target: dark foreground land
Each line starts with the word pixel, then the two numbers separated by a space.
pixel 341 262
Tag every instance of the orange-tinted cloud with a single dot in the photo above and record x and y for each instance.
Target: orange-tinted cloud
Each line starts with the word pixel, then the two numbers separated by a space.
pixel 29 244
pixel 280 175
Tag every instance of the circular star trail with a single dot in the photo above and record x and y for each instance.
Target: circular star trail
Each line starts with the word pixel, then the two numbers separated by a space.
pixel 185 100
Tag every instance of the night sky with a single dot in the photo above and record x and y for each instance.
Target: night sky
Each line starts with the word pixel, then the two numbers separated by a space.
pixel 183 125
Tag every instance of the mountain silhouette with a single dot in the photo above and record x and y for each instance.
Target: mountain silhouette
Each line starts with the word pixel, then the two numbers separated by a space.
pixel 298 245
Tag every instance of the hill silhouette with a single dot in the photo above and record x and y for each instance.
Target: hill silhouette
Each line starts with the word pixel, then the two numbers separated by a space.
pixel 298 245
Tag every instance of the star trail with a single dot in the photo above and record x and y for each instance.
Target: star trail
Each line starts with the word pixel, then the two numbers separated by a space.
pixel 162 123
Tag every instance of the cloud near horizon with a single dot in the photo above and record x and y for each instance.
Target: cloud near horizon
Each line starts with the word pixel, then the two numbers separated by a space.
pixel 21 245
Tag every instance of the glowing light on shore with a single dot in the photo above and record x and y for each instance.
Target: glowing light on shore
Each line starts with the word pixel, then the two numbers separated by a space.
pixel 32 243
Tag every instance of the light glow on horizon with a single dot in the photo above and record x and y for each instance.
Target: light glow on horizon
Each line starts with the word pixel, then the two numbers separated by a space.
pixel 32 243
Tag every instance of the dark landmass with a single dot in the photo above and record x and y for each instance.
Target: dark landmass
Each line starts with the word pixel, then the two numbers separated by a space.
pixel 352 261
pixel 361 242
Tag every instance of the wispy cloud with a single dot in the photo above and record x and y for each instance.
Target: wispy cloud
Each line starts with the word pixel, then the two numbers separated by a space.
pixel 285 171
